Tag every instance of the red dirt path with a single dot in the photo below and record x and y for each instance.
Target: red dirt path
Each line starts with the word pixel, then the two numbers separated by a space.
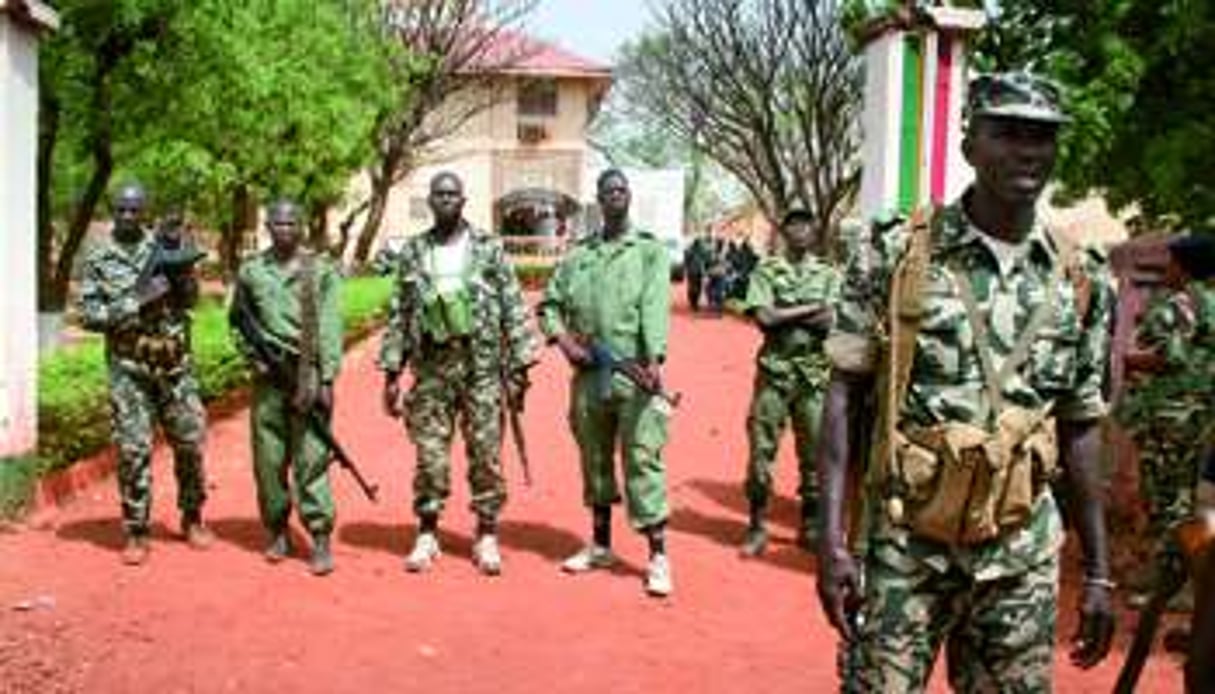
pixel 73 619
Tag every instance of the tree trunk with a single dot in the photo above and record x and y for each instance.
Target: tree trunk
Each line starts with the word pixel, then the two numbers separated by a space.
pixel 232 234
pixel 318 227
pixel 371 226
pixel 48 136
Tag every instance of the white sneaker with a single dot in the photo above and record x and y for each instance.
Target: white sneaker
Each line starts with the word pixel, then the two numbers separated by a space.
pixel 425 552
pixel 658 576
pixel 589 558
pixel 486 555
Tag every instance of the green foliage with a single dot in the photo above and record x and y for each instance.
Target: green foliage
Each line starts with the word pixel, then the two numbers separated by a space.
pixel 1140 92
pixel 18 476
pixel 73 408
pixel 533 276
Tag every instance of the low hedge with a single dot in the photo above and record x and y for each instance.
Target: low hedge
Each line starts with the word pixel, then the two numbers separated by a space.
pixel 73 411
pixel 533 275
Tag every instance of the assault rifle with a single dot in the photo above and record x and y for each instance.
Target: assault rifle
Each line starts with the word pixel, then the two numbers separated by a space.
pixel 173 257
pixel 511 411
pixel 1196 541
pixel 605 362
pixel 279 363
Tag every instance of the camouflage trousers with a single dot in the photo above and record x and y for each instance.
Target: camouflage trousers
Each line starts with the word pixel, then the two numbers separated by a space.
pixel 1168 477
pixel 445 390
pixel 999 634
pixel 772 405
pixel 138 401
pixel 288 461
pixel 637 421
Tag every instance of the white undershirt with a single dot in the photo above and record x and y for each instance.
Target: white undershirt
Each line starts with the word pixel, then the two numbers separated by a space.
pixel 449 262
pixel 1006 253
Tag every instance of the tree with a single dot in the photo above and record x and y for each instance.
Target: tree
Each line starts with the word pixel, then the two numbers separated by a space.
pixel 83 70
pixel 769 90
pixel 209 103
pixel 1140 91
pixel 454 49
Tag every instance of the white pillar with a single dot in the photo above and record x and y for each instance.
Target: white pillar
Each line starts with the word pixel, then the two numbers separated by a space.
pixel 20 23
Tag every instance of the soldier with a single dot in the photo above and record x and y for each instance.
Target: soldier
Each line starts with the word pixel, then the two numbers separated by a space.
pixel 293 294
pixel 145 317
pixel 1168 409
pixel 610 296
pixel 790 298
pixel 459 319
pixel 988 339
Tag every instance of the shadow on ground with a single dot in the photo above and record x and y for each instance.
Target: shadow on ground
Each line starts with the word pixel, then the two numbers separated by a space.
pixel 106 533
pixel 781 552
pixel 781 510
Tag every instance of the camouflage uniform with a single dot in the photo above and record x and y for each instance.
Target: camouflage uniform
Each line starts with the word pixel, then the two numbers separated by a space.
pixel 994 603
pixel 460 377
pixel 616 292
pixel 1169 412
pixel 151 376
pixel 282 442
pixel 790 375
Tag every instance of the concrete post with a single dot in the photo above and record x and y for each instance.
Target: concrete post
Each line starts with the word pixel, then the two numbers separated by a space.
pixel 21 22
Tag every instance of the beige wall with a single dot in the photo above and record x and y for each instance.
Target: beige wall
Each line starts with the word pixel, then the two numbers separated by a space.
pixel 487 154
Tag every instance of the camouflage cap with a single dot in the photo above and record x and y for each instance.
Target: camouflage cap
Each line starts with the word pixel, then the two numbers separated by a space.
pixel 1015 95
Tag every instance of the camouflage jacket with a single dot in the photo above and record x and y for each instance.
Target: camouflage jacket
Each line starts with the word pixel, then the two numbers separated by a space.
pixel 499 314
pixel 1065 365
pixel 109 303
pixel 793 354
pixel 616 291
pixel 1179 326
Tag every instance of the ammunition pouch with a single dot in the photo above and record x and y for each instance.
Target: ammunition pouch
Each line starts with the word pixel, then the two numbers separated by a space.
pixel 961 485
pixel 160 353
pixel 448 315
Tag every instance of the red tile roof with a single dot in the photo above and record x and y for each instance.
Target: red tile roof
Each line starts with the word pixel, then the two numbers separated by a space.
pixel 523 54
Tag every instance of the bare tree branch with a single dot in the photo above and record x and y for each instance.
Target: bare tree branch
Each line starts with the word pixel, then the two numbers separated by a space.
pixel 767 88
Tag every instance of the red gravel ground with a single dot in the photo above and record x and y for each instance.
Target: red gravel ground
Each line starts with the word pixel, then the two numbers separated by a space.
pixel 72 618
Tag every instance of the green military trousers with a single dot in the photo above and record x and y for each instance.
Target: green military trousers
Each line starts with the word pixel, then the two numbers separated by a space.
pixel 773 404
pixel 284 446
pixel 639 422
pixel 446 389
pixel 138 401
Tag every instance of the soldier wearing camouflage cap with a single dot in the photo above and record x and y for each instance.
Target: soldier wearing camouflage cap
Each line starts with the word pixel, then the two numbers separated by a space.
pixel 984 339
pixel 146 324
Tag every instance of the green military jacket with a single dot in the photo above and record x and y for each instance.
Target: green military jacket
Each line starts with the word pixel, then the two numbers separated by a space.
pixel 1065 366
pixel 1180 326
pixel 616 292
pixel 275 295
pixel 500 333
pixel 793 354
pixel 109 301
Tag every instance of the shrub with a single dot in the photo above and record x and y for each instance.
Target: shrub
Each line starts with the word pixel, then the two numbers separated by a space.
pixel 73 408
pixel 17 479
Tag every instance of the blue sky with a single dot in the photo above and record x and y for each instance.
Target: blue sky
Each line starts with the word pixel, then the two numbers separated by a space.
pixel 590 28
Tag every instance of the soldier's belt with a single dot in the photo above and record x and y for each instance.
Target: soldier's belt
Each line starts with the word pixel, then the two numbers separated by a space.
pixel 959 484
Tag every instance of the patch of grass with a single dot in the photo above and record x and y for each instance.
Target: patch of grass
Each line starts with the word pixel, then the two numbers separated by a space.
pixel 17 479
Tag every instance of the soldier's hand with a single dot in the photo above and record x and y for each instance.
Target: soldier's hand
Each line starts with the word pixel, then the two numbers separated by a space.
pixel 1095 633
pixel 652 377
pixel 324 397
pixel 518 383
pixel 575 352
pixel 839 588
pixel 392 399
pixel 156 289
